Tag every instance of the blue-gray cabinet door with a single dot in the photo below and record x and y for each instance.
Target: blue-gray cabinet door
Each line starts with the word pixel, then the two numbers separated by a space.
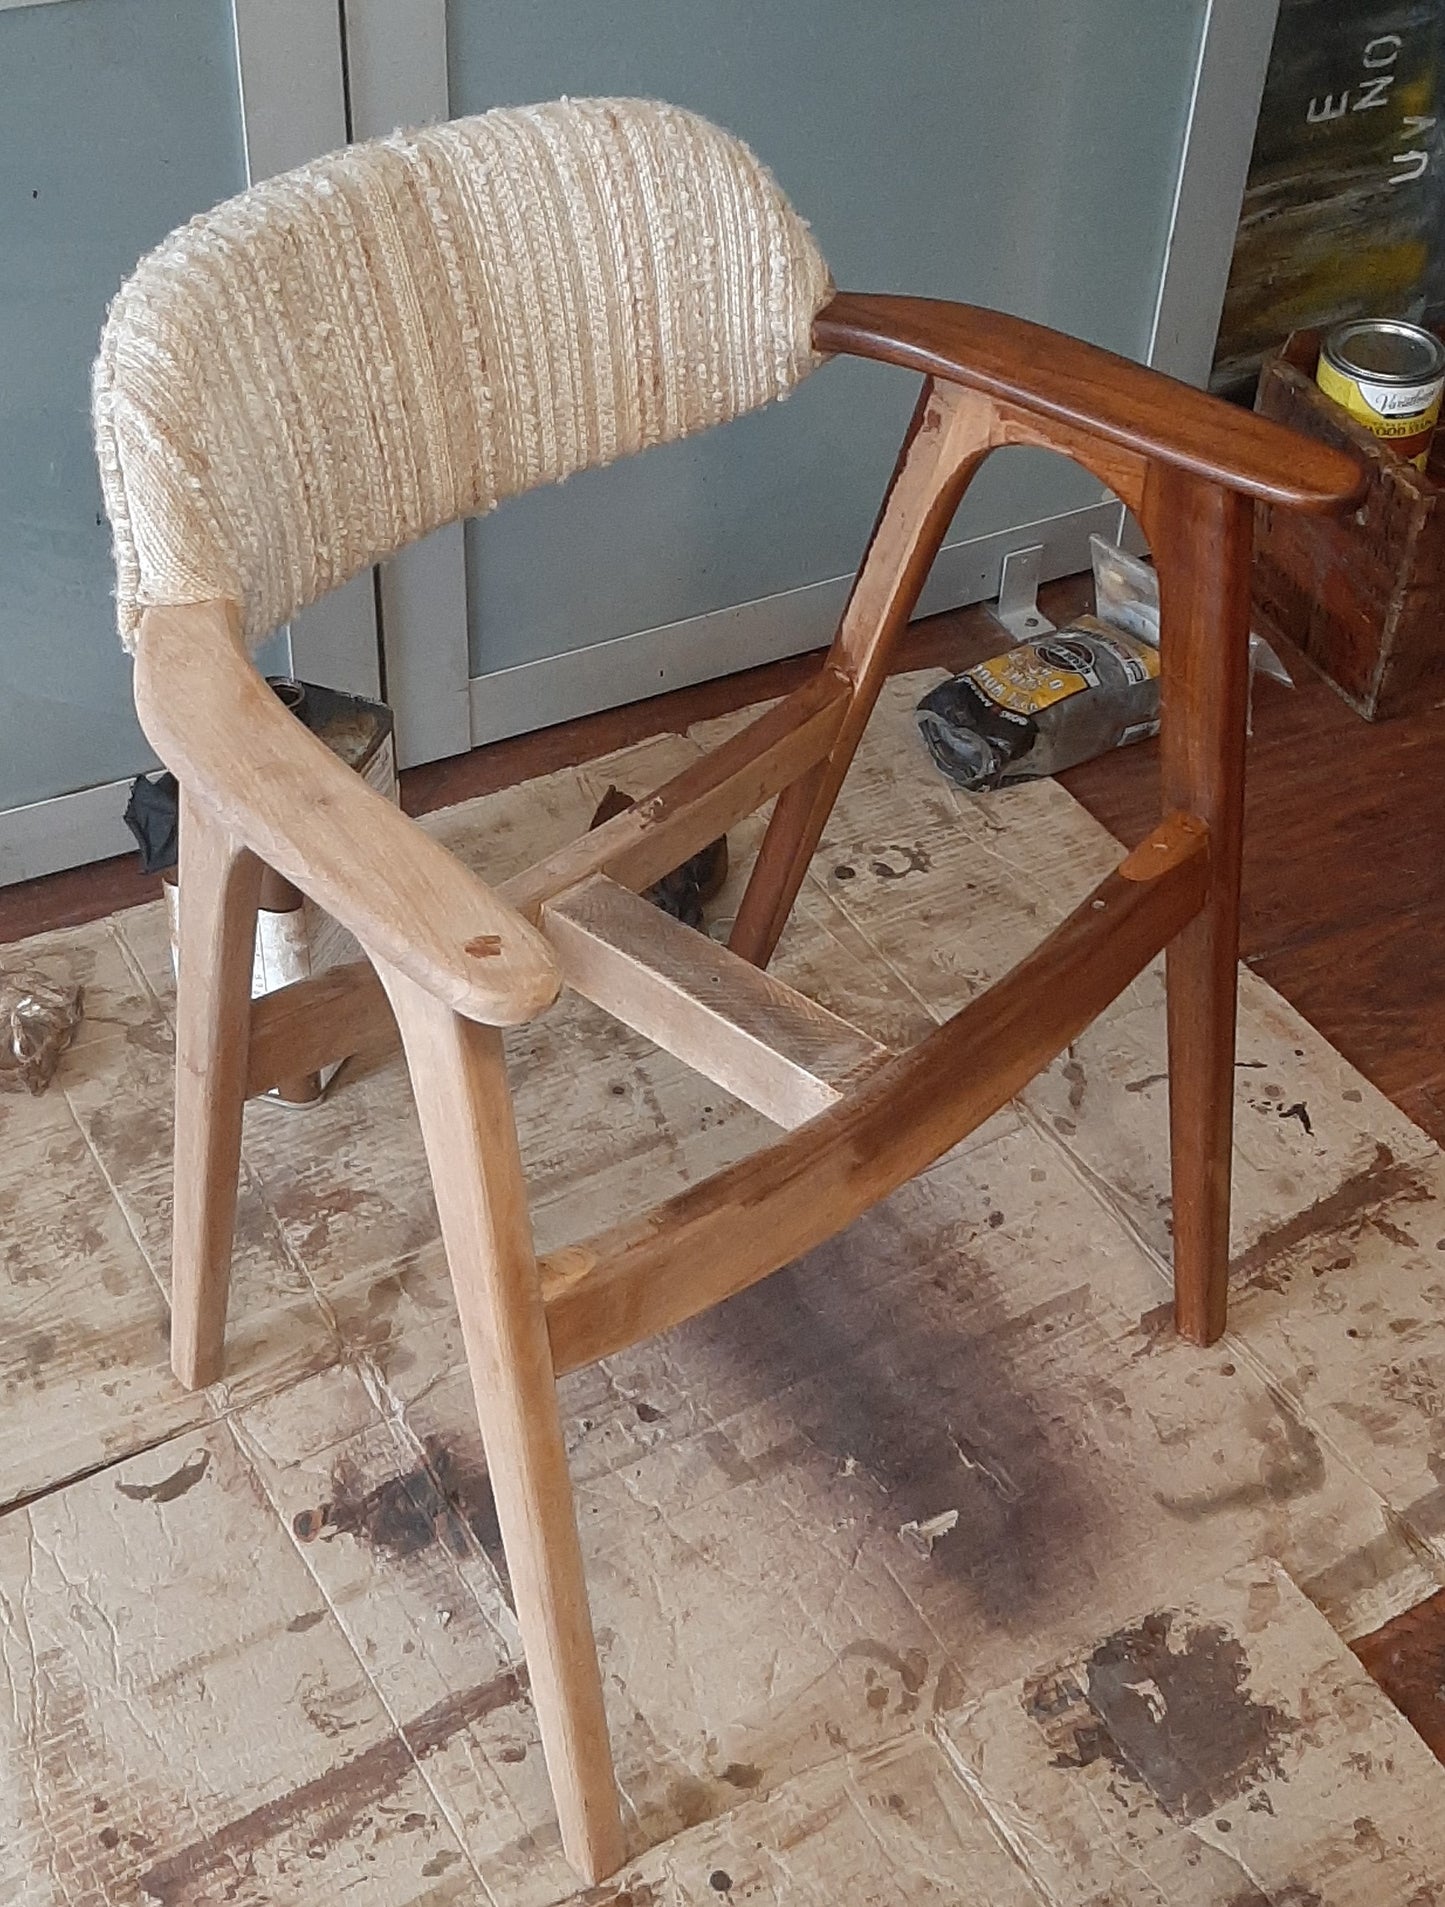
pixel 1024 154
pixel 118 119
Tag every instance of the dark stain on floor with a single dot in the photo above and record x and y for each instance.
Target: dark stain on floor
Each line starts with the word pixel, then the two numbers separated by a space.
pixel 331 1808
pixel 1165 1702
pixel 1364 1199
pixel 897 1351
pixel 1288 1455
pixel 445 1498
pixel 171 1487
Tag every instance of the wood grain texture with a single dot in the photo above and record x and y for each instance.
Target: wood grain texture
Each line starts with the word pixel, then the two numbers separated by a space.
pixel 312 1023
pixel 647 1274
pixel 1084 388
pixel 1407 1658
pixel 281 791
pixel 220 890
pixel 459 1077
pixel 1123 470
pixel 1201 539
pixel 1344 884
pixel 766 1044
pixel 710 796
pixel 950 434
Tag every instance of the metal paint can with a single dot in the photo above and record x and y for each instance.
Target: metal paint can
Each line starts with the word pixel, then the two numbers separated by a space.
pixel 1388 375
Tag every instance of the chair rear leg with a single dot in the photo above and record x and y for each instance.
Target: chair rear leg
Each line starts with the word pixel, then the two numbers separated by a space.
pixel 465 1107
pixel 948 438
pixel 1201 542
pixel 220 884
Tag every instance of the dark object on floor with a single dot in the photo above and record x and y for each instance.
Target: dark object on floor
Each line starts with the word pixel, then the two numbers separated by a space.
pixel 1360 594
pixel 360 732
pixel 1042 707
pixel 152 815
pixel 688 888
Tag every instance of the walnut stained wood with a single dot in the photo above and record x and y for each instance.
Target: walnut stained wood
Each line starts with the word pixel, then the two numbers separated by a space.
pixel 662 831
pixel 1060 380
pixel 948 438
pixel 457 959
pixel 1201 547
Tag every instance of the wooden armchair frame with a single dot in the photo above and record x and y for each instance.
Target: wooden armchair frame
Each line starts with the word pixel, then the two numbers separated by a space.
pixel 450 960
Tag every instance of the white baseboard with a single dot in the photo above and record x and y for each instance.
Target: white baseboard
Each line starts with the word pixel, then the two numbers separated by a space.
pixel 628 668
pixel 45 836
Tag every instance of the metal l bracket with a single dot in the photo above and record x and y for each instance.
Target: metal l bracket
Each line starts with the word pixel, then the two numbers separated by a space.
pixel 1018 595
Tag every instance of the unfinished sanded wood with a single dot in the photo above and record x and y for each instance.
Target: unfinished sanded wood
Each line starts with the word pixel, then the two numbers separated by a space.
pixel 459 1077
pixel 315 1022
pixel 649 1273
pixel 279 790
pixel 662 831
pixel 219 893
pixel 765 1043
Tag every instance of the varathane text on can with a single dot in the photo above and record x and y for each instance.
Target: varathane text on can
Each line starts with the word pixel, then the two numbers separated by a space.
pixel 1388 375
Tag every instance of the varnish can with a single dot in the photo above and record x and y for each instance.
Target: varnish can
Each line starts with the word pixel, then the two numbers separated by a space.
pixel 1388 375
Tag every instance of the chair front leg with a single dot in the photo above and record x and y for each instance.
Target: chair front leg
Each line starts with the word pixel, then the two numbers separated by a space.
pixel 1200 535
pixel 465 1107
pixel 220 884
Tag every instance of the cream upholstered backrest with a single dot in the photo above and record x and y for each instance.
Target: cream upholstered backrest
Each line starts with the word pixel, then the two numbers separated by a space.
pixel 297 384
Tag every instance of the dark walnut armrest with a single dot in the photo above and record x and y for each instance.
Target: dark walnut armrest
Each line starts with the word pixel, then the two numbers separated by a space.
pixel 1106 397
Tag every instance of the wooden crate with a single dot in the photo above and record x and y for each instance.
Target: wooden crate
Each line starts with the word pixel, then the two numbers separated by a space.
pixel 1363 595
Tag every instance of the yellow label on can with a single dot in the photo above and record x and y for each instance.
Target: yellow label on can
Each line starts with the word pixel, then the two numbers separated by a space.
pixel 1022 681
pixel 1405 414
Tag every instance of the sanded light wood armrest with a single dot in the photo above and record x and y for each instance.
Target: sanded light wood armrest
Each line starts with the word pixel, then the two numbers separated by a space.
pixel 231 744
pixel 1093 391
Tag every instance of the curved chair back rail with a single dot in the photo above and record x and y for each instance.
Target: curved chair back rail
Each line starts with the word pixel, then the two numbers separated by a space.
pixel 316 373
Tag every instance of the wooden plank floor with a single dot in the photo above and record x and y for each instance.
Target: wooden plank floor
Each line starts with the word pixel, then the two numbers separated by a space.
pixel 1344 900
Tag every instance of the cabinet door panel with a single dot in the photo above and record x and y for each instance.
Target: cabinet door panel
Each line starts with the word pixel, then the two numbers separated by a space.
pixel 118 120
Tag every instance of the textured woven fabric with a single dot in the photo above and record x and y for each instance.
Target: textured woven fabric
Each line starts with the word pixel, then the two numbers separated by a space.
pixel 297 384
